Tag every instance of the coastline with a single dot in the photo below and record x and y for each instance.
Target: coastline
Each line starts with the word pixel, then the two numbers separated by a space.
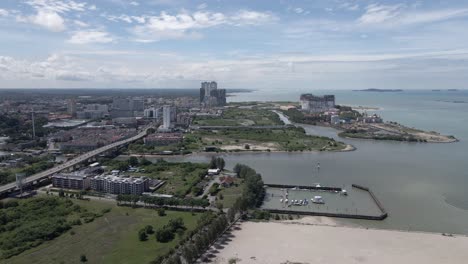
pixel 318 239
pixel 348 148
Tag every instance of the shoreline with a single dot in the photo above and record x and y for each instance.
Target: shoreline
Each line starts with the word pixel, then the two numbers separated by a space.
pixel 348 148
pixel 317 239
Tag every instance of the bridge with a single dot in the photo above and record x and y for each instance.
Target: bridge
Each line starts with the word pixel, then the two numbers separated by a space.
pixel 86 156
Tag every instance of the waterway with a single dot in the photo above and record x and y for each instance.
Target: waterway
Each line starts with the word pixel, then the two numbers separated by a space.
pixel 422 186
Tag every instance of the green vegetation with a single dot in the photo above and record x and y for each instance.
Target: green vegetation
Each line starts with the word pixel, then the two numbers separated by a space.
pixel 297 116
pixel 212 227
pixel 217 163
pixel 228 196
pixel 285 139
pixel 167 232
pixel 112 239
pixel 237 116
pixel 19 127
pixel 180 178
pixel 32 166
pixel 353 133
pixel 28 223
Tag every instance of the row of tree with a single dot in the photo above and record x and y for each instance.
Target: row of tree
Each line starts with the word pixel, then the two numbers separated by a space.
pixel 217 163
pixel 211 228
pixel 129 199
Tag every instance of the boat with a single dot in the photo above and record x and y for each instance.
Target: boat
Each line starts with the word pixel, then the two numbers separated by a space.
pixel 281 200
pixel 344 192
pixel 318 200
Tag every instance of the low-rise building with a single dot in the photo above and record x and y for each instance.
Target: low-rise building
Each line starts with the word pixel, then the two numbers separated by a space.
pixel 119 184
pixel 71 181
pixel 226 181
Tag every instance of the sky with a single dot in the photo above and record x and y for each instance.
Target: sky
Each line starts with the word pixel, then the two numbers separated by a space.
pixel 263 44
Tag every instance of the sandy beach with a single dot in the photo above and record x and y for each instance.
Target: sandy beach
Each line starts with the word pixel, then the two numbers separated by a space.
pixel 319 240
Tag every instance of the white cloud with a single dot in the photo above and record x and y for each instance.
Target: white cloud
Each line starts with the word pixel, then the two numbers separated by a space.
pixel 49 20
pixel 80 23
pixel 276 70
pixel 50 13
pixel 349 6
pixel 202 6
pixel 167 26
pixel 4 12
pixel 90 36
pixel 396 15
pixel 376 13
pixel 133 3
pixel 246 17
pixel 57 6
pixel 298 10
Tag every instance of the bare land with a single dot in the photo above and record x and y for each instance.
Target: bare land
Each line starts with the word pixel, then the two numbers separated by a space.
pixel 319 240
pixel 393 131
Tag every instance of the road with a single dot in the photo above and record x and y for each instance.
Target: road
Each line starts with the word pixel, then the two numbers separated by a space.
pixel 72 162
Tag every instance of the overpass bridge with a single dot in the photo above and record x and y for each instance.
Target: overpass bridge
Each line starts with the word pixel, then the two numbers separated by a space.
pixel 83 157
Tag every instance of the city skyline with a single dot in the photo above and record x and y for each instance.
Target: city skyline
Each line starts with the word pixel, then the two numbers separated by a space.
pixel 241 44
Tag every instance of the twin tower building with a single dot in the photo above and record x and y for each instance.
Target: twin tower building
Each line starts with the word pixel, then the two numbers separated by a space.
pixel 211 96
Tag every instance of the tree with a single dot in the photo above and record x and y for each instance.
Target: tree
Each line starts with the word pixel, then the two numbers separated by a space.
pixel 145 162
pixel 83 258
pixel 161 212
pixel 61 193
pixel 149 229
pixel 164 235
pixel 133 161
pixel 142 235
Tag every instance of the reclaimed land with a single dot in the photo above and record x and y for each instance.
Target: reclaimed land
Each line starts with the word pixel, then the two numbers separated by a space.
pixel 396 132
pixel 375 131
pixel 241 116
pixel 112 238
pixel 284 139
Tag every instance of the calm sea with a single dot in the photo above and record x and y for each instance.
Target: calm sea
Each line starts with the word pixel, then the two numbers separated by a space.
pixel 422 186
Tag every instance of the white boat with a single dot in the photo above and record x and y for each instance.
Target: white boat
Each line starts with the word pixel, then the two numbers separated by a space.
pixel 281 200
pixel 344 192
pixel 318 200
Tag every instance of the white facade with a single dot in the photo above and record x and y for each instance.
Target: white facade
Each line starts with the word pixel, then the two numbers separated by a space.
pixel 166 117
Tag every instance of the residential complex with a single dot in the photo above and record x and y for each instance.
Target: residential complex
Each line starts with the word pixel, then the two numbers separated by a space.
pixel 71 181
pixel 114 184
pixel 211 96
pixel 125 107
pixel 316 104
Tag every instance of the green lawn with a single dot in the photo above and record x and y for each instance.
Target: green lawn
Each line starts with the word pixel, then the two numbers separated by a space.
pixel 180 177
pixel 236 116
pixel 231 194
pixel 286 139
pixel 112 238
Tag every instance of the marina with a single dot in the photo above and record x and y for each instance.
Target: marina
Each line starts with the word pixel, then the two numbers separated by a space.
pixel 354 202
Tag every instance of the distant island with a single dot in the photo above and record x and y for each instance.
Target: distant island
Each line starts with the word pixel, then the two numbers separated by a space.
pixel 379 90
pixel 452 90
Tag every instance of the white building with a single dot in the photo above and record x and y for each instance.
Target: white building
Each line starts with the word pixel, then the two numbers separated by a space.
pixel 316 104
pixel 166 117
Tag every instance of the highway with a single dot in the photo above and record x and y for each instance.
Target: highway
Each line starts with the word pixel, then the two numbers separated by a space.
pixel 72 162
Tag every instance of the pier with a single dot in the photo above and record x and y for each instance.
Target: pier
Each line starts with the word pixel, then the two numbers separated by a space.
pixel 358 203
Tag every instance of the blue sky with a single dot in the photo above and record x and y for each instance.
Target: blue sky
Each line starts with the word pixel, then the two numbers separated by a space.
pixel 334 44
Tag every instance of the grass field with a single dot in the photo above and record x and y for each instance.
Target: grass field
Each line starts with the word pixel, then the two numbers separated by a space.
pixel 180 177
pixel 237 116
pixel 231 194
pixel 286 139
pixel 111 239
